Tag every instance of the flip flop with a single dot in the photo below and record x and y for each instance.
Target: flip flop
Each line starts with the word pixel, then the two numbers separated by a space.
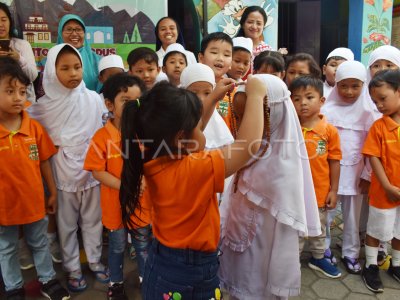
pixel 76 285
pixel 352 265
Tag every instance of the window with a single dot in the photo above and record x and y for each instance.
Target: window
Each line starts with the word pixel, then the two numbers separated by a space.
pixel 40 36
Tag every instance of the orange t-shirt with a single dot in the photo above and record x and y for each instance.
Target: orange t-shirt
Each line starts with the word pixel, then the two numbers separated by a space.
pixel 322 143
pixel 224 108
pixel 104 154
pixel 383 141
pixel 21 186
pixel 183 195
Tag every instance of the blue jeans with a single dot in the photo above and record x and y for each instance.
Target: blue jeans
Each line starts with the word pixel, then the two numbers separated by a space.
pixel 36 239
pixel 116 248
pixel 186 274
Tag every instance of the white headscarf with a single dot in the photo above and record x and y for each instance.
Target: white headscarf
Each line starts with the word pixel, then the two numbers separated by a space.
pixel 70 116
pixel 386 52
pixel 281 180
pixel 356 116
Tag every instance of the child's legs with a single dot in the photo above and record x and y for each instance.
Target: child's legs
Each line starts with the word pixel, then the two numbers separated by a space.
pixel 142 242
pixel 90 223
pixel 67 219
pixel 116 249
pixel 364 216
pixel 351 209
pixel 10 270
pixel 331 215
pixel 317 243
pixel 36 238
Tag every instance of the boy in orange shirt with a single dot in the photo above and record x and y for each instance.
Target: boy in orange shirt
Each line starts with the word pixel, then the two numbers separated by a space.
pixel 323 148
pixel 105 161
pixel 25 151
pixel 382 147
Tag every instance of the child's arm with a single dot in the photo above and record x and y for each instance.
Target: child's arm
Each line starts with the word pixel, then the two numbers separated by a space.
pixel 250 132
pixel 107 179
pixel 47 174
pixel 223 86
pixel 334 174
pixel 392 192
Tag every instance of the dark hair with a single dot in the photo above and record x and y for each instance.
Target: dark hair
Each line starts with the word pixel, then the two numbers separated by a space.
pixel 67 49
pixel 237 49
pixel 315 70
pixel 173 52
pixel 303 82
pixel 247 11
pixel 390 77
pixel 12 69
pixel 178 29
pixel 215 36
pixel 147 54
pixel 6 10
pixel 170 110
pixel 120 83
pixel 271 58
pixel 334 58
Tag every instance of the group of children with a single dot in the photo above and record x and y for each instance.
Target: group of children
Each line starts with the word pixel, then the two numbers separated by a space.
pixel 280 155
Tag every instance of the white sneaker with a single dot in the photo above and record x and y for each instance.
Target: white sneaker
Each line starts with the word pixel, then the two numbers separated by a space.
pixel 55 252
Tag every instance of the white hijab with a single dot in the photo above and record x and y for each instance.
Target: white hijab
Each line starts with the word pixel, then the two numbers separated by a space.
pixel 356 116
pixel 386 52
pixel 281 180
pixel 70 116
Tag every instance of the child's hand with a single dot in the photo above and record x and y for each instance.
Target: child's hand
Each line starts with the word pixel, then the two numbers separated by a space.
pixel 331 200
pixel 364 186
pixel 223 86
pixel 393 193
pixel 51 205
pixel 255 87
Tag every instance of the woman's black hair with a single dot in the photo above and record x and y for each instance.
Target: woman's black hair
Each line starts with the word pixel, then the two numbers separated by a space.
pixel 148 130
pixel 11 68
pixel 315 70
pixel 68 49
pixel 247 11
pixel 271 58
pixel 120 83
pixel 6 10
pixel 178 29
pixel 390 77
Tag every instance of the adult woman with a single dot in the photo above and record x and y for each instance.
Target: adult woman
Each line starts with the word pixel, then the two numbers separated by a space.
pixel 20 50
pixel 71 30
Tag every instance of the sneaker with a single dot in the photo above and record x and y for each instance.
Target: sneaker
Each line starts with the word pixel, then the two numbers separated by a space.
pixel 116 292
pixel 17 294
pixel 53 290
pixel 25 256
pixel 55 252
pixel 394 271
pixel 323 266
pixel 328 255
pixel 372 279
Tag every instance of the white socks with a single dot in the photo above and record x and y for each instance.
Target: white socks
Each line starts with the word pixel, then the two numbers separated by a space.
pixel 371 255
pixel 395 258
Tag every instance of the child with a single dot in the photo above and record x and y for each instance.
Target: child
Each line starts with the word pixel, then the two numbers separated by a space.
pixel 273 204
pixel 270 62
pixel 174 62
pixel 71 113
pixel 143 63
pixel 334 59
pixel 169 152
pixel 384 57
pixel 382 149
pixel 105 161
pixel 323 148
pixel 26 149
pixel 241 58
pixel 349 109
pixel 301 64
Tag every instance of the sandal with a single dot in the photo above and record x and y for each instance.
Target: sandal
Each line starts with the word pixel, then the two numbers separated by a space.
pixel 352 265
pixel 100 272
pixel 328 255
pixel 76 285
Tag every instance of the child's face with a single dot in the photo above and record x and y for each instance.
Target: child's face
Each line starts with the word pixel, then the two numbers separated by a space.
pixel 132 93
pixel 201 88
pixel 296 69
pixel 218 56
pixel 307 102
pixel 386 99
pixel 73 33
pixel 381 64
pixel 12 96
pixel 69 70
pixel 268 69
pixel 174 67
pixel 107 73
pixel 240 64
pixel 349 89
pixel 329 70
pixel 146 71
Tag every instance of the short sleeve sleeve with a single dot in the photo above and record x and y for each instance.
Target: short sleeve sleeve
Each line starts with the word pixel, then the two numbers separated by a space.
pixel 373 142
pixel 334 150
pixel 44 143
pixel 96 157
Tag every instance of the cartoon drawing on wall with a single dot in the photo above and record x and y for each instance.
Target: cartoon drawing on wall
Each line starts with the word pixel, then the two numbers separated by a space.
pixel 100 35
pixel 227 19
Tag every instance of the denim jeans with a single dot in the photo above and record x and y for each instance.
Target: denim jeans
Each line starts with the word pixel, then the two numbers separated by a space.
pixel 36 239
pixel 117 242
pixel 181 273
